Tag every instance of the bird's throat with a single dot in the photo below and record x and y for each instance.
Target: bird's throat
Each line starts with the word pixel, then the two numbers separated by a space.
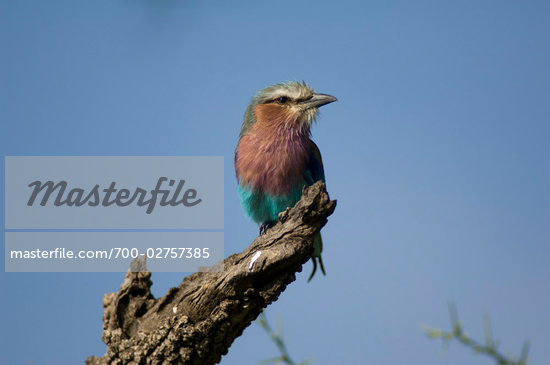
pixel 271 158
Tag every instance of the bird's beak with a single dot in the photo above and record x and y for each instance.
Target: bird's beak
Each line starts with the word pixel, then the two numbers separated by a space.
pixel 318 100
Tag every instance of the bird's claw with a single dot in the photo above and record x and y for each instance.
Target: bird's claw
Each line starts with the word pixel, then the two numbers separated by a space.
pixel 283 216
pixel 264 227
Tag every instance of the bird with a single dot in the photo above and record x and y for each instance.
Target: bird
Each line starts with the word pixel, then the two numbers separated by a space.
pixel 275 157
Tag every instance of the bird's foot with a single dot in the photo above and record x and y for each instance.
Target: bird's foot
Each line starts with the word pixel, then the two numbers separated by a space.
pixel 283 216
pixel 264 227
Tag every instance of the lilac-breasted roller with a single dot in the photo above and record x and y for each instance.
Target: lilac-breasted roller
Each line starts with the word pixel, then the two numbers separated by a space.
pixel 275 157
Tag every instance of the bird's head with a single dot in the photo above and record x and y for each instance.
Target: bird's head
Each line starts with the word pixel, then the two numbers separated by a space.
pixel 288 105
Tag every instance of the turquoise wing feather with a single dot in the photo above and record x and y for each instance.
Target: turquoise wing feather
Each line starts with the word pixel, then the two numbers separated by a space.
pixel 315 172
pixel 314 168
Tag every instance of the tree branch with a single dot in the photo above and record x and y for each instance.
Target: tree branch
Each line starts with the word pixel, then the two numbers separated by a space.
pixel 196 322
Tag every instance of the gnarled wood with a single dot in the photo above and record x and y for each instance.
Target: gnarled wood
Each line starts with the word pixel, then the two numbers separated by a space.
pixel 196 322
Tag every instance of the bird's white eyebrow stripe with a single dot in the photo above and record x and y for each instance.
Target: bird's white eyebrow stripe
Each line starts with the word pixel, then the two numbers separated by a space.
pixel 292 90
pixel 296 99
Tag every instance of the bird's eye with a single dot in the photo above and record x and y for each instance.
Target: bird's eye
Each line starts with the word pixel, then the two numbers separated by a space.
pixel 282 99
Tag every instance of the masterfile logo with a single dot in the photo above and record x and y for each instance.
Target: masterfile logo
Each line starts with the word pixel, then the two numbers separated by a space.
pixel 119 197
pixel 114 192
pixel 98 213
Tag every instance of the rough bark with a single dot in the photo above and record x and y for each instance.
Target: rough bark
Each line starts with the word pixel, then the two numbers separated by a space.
pixel 196 322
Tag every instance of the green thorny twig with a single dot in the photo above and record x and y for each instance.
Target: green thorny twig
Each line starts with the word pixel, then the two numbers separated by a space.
pixel 490 346
pixel 277 337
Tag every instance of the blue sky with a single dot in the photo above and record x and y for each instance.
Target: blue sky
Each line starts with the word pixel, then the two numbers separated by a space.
pixel 437 152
